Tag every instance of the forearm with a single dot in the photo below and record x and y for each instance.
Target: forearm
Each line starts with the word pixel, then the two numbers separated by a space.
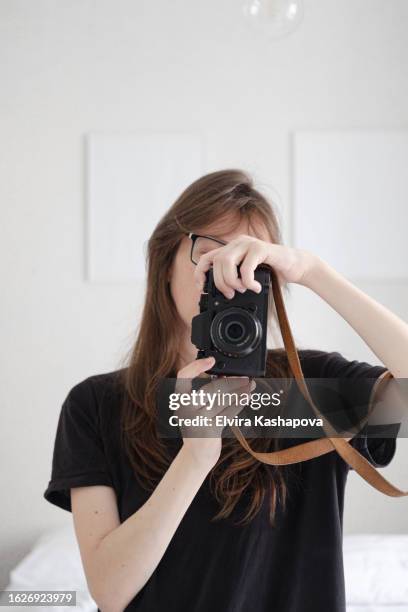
pixel 383 331
pixel 126 558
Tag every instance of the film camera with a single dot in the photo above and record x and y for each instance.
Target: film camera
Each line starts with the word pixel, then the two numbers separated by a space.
pixel 233 331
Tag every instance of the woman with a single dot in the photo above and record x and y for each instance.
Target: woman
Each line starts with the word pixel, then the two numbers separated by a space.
pixel 198 524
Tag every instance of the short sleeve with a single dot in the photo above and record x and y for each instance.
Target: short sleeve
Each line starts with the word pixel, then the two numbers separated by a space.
pixel 378 451
pixel 78 456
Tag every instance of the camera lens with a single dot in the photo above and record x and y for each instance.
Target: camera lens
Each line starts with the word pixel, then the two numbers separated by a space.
pixel 236 332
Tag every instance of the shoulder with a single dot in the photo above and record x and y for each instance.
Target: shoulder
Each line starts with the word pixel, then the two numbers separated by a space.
pixel 95 398
pixel 312 361
pixel 97 385
pixel 318 363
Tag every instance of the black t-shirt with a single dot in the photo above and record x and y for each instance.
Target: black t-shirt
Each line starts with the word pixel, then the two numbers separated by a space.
pixel 296 566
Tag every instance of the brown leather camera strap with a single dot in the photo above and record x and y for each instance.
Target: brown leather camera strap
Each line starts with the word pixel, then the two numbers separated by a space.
pixel 321 446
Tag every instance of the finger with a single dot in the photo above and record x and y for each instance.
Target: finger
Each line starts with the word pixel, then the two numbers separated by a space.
pixel 225 384
pixel 233 395
pixel 247 268
pixel 192 370
pixel 213 400
pixel 204 264
pixel 230 262
pixel 220 281
pixel 236 407
pixel 196 367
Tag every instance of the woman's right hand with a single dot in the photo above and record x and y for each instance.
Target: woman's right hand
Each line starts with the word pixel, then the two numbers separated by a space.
pixel 207 449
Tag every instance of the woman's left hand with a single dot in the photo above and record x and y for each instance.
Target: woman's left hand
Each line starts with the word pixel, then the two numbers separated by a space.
pixel 291 265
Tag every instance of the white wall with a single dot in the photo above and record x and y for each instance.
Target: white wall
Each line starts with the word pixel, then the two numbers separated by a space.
pixel 79 65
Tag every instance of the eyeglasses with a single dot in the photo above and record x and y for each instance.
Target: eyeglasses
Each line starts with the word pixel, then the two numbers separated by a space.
pixel 203 244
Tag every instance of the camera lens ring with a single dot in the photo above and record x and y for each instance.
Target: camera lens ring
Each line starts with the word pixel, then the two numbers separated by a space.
pixel 244 344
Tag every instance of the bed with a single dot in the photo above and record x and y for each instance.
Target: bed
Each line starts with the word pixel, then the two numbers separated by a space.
pixel 375 567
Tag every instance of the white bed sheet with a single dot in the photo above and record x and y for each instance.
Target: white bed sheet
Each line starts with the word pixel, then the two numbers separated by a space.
pixel 375 567
pixel 379 608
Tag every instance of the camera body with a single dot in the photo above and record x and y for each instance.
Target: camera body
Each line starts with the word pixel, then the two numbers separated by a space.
pixel 233 331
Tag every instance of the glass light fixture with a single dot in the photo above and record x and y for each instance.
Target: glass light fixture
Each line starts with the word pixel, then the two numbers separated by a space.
pixel 275 18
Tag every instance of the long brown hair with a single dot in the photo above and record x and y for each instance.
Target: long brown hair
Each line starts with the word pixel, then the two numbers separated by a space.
pixel 156 349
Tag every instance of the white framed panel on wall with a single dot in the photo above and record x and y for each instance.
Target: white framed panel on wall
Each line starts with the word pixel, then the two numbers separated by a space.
pixel 350 200
pixel 132 179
